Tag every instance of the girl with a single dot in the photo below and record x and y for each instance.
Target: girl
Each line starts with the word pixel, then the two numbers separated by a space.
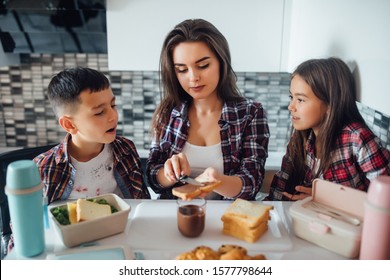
pixel 330 139
pixel 203 126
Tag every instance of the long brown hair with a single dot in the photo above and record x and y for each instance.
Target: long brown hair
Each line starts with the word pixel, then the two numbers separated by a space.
pixel 192 30
pixel 332 82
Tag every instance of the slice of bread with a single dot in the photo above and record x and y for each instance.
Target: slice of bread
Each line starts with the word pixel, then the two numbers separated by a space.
pixel 88 210
pixel 187 191
pixel 210 186
pixel 246 231
pixel 72 210
pixel 249 213
pixel 248 235
pixel 190 191
pixel 245 222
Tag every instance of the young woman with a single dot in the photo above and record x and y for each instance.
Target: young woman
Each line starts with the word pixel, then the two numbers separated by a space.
pixel 330 139
pixel 203 126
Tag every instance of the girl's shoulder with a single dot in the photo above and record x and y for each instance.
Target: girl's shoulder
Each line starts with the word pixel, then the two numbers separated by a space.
pixel 358 130
pixel 356 127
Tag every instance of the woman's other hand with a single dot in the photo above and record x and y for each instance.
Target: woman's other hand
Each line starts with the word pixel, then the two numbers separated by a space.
pixel 210 174
pixel 301 193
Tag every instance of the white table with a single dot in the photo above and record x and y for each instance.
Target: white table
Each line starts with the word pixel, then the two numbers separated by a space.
pixel 170 243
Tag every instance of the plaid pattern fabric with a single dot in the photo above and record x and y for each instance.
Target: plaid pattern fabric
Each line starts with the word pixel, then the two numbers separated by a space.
pixel 244 141
pixel 58 174
pixel 358 158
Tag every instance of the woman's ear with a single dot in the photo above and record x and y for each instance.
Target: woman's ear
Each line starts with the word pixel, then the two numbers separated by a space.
pixel 67 124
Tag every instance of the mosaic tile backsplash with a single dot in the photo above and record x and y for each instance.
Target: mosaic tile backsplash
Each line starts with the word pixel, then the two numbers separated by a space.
pixel 27 119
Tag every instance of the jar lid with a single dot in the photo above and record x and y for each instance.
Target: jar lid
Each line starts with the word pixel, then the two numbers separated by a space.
pixel 379 192
pixel 22 174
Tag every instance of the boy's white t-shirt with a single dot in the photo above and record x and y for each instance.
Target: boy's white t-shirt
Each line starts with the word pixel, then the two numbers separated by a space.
pixel 94 177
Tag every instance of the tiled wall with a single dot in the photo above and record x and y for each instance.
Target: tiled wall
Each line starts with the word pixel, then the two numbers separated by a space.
pixel 26 118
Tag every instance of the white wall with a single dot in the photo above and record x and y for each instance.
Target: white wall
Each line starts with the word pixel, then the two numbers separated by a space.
pixel 264 35
pixel 136 30
pixel 358 31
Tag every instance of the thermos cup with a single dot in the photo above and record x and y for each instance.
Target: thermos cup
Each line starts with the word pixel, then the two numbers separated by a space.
pixel 375 244
pixel 24 192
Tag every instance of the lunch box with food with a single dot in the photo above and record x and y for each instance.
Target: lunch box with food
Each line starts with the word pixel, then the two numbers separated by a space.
pixel 331 218
pixel 91 230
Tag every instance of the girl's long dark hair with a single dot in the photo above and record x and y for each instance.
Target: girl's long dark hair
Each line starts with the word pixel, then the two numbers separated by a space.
pixel 192 30
pixel 332 82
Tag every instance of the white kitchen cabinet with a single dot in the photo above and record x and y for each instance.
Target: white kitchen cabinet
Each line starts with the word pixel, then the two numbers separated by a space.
pixel 254 29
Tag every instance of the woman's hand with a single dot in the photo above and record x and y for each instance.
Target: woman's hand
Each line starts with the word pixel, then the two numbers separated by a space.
pixel 209 175
pixel 173 168
pixel 230 187
pixel 301 193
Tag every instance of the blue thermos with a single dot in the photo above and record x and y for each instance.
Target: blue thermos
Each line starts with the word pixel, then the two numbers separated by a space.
pixel 24 192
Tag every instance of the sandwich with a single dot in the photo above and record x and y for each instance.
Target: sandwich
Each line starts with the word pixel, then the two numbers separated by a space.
pixel 190 191
pixel 246 220
pixel 88 210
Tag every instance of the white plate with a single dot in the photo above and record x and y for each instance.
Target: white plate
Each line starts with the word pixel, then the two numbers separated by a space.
pixel 154 227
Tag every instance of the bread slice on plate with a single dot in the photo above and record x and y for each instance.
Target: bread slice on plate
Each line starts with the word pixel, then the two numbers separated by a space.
pixel 190 191
pixel 88 210
pixel 248 212
pixel 248 235
pixel 246 220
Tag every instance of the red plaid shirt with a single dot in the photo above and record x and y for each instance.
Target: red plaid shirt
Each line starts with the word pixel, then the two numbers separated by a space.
pixel 358 158
pixel 58 174
pixel 244 141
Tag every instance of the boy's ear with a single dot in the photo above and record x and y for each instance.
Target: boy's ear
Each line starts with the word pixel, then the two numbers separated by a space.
pixel 67 124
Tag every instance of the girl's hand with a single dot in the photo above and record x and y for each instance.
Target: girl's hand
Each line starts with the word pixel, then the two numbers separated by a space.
pixel 176 166
pixel 301 193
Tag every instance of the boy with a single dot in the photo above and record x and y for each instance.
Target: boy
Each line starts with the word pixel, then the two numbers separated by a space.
pixel 92 159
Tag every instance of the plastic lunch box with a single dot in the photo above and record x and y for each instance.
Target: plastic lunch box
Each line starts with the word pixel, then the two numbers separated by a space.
pixel 331 218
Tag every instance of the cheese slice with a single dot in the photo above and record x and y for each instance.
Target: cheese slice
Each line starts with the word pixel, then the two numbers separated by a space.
pixel 88 210
pixel 72 206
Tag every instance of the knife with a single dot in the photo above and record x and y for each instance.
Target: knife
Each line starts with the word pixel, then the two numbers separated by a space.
pixel 189 180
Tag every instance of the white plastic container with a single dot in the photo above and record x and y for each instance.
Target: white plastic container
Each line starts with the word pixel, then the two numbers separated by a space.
pixel 87 231
pixel 331 218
